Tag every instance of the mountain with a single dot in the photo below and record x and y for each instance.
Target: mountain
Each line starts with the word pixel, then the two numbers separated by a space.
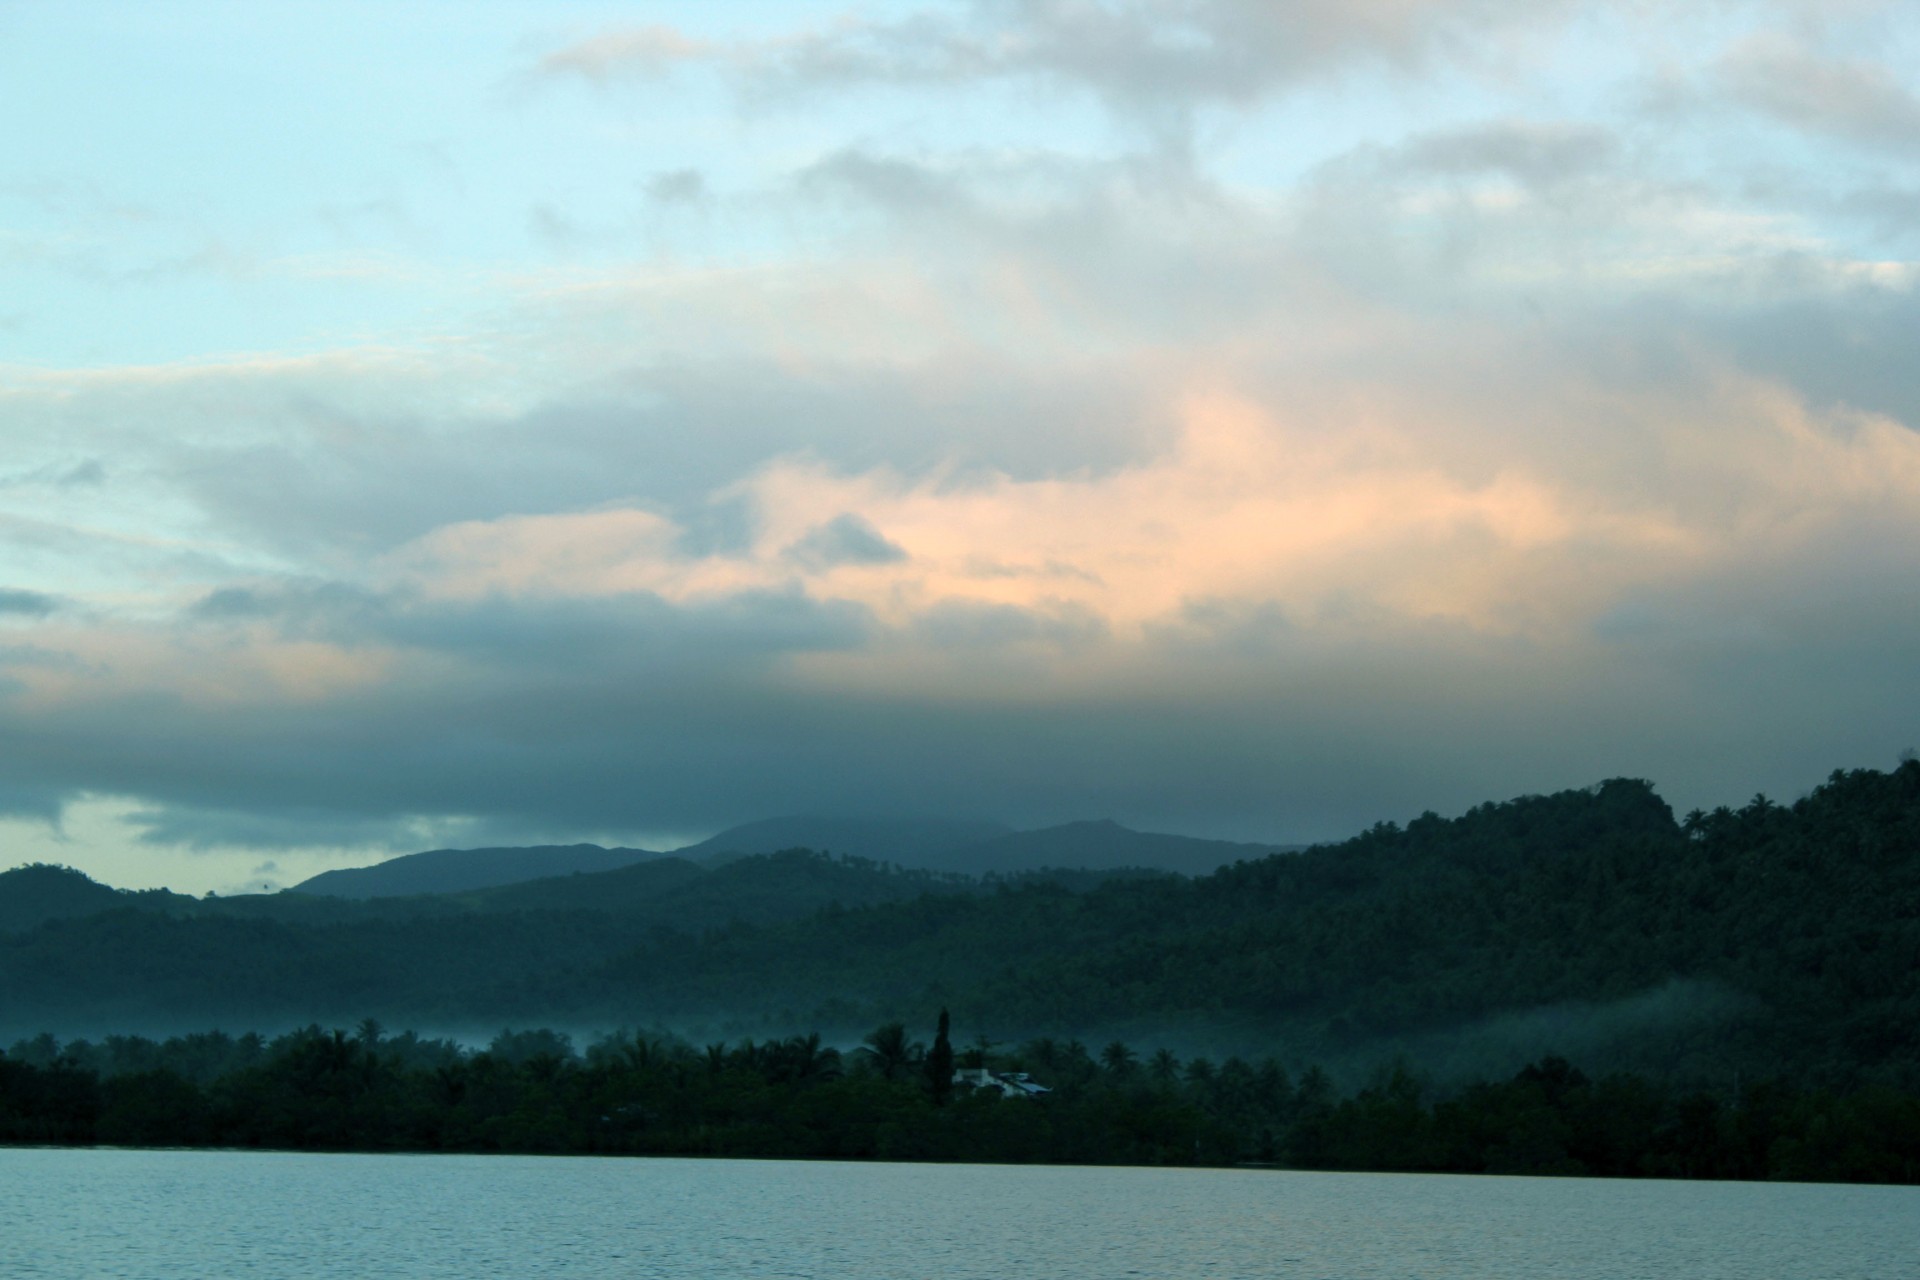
pixel 907 842
pixel 1771 941
pixel 461 870
pixel 1102 845
pixel 983 848
pixel 756 889
pixel 108 960
pixel 32 895
pixel 969 848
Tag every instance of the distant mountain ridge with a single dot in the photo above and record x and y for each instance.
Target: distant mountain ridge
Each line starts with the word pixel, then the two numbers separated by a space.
pixel 40 892
pixel 1103 845
pixel 1776 940
pixel 918 843
pixel 464 870
pixel 921 844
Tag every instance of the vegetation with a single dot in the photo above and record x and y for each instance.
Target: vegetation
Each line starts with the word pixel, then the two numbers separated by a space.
pixel 650 1094
pixel 1774 942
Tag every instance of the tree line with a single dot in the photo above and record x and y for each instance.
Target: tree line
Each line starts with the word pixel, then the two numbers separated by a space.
pixel 893 1098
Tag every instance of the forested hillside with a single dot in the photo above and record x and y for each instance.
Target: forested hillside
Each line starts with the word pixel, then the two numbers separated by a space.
pixel 1773 939
pixel 461 870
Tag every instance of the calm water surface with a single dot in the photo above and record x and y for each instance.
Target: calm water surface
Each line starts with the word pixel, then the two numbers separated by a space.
pixel 162 1214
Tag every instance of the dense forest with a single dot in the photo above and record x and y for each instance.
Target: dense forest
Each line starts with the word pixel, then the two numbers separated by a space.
pixel 892 1098
pixel 1772 942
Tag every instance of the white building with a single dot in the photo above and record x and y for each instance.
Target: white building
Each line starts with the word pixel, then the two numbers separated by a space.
pixel 1010 1084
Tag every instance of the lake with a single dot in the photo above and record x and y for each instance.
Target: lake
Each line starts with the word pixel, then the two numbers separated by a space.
pixel 160 1214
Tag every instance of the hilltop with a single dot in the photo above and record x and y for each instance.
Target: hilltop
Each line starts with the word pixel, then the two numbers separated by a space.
pixel 1768 939
pixel 918 844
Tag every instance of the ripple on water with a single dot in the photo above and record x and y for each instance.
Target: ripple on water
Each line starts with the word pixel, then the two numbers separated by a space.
pixel 164 1214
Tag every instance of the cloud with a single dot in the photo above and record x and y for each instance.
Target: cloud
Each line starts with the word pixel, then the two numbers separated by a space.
pixel 1537 153
pixel 650 51
pixel 88 473
pixel 36 803
pixel 1315 602
pixel 1845 345
pixel 1394 441
pixel 27 604
pixel 83 475
pixel 232 602
pixel 1159 55
pixel 1853 99
pixel 677 186
pixel 845 539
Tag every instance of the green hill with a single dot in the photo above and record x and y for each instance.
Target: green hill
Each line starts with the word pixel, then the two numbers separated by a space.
pixel 920 843
pixel 1765 940
pixel 33 894
pixel 460 870
pixel 1102 845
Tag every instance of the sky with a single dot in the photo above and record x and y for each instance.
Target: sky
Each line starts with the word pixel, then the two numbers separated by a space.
pixel 487 423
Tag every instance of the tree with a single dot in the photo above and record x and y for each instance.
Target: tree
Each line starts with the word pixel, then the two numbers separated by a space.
pixel 940 1062
pixel 975 1054
pixel 803 1060
pixel 888 1051
pixel 1165 1066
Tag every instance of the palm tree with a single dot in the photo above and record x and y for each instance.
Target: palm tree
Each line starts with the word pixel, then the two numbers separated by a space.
pixel 802 1059
pixel 888 1051
pixel 1044 1052
pixel 975 1054
pixel 1165 1067
pixel 1118 1060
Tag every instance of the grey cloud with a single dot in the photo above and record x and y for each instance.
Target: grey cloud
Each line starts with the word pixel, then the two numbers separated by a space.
pixel 1536 153
pixel 309 608
pixel 750 629
pixel 1853 99
pixel 1893 211
pixel 1156 55
pixel 231 603
pixel 88 473
pixel 723 526
pixel 564 719
pixel 634 715
pixel 901 185
pixel 846 539
pixel 201 829
pixel 530 638
pixel 676 186
pixel 554 227
pixel 32 802
pixel 1286 737
pixel 961 625
pixel 666 435
pixel 28 604
pixel 1849 347
pixel 1205 628
pixel 1141 249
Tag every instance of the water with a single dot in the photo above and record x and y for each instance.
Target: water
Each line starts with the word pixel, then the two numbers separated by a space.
pixel 163 1214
